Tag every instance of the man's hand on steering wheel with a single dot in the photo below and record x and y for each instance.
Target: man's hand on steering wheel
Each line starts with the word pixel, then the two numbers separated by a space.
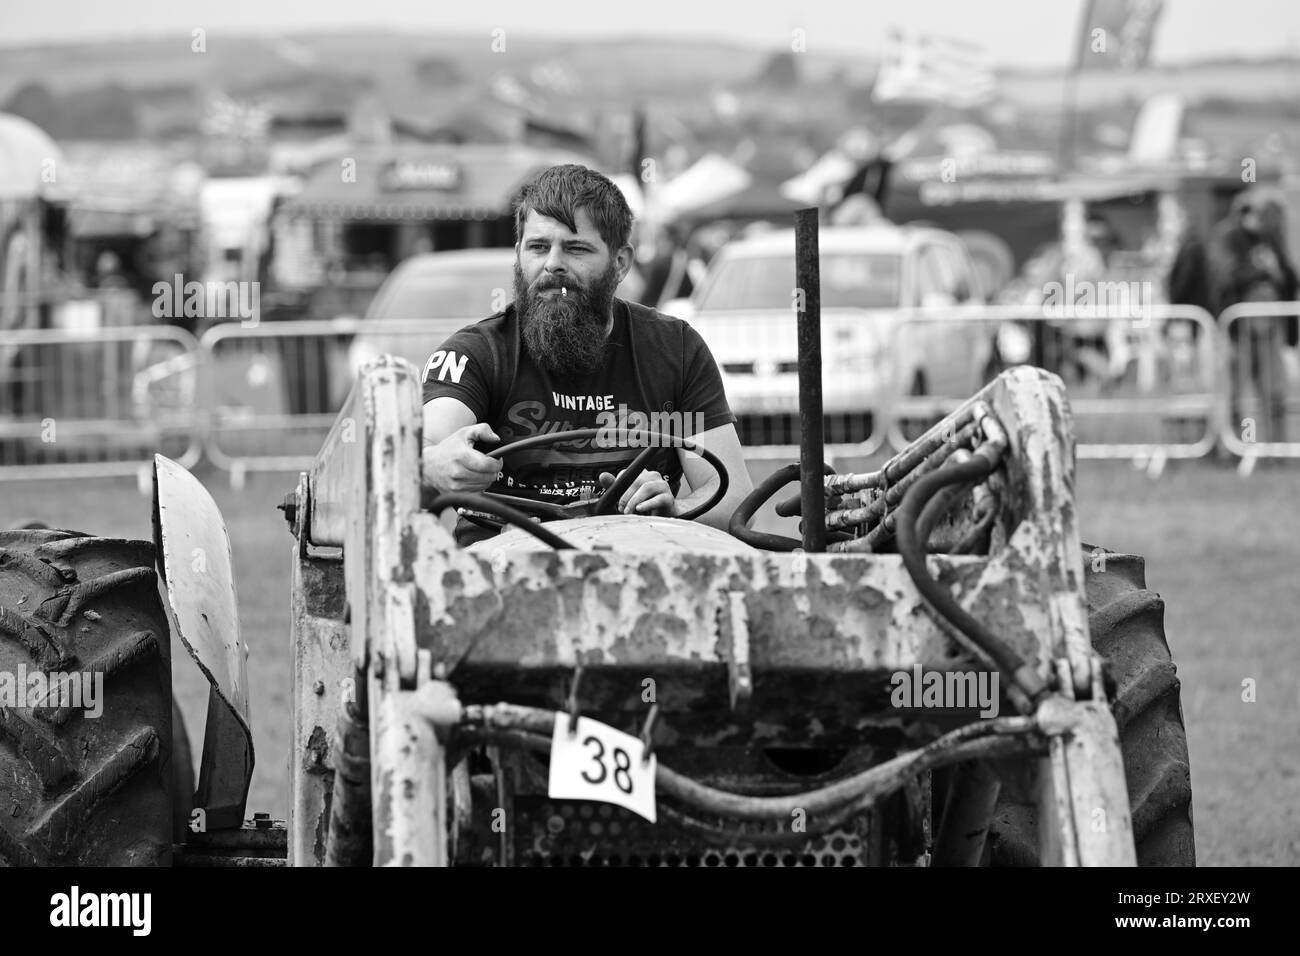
pixel 649 494
pixel 454 464
pixel 636 491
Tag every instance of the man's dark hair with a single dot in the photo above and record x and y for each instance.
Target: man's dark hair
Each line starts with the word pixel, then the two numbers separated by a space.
pixel 559 192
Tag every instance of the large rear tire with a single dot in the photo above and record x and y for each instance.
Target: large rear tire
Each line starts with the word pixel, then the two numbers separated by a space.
pixel 84 786
pixel 1127 625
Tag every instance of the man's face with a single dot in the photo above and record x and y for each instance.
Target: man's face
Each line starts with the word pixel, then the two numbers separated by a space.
pixel 564 291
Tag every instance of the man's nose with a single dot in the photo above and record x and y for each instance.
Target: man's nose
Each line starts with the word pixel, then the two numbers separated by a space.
pixel 555 260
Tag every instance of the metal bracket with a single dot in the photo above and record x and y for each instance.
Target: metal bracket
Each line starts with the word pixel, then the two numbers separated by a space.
pixel 298 514
pixel 733 631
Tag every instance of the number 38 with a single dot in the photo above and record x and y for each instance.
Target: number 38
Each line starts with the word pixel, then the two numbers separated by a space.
pixel 622 764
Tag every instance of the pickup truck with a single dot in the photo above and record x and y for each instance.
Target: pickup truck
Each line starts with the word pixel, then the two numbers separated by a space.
pixel 745 311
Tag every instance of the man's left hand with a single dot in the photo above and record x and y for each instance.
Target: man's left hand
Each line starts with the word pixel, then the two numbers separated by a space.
pixel 648 495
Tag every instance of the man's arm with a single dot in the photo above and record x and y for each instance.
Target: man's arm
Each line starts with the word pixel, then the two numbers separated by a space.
pixel 448 460
pixel 724 442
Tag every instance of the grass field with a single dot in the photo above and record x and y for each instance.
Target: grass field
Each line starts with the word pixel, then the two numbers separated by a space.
pixel 1220 550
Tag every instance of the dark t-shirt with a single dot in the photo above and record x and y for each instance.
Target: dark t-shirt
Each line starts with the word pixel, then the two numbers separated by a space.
pixel 658 374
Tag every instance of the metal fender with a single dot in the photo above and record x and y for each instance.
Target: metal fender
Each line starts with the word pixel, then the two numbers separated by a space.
pixel 195 563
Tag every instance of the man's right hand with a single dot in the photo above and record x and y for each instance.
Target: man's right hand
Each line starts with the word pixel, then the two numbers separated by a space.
pixel 453 464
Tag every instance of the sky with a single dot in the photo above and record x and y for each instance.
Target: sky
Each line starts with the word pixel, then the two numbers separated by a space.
pixel 1028 33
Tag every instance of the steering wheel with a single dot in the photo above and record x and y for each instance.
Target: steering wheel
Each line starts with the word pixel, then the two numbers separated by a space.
pixel 607 503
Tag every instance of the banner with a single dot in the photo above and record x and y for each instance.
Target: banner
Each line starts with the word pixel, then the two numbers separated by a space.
pixel 1117 34
pixel 934 69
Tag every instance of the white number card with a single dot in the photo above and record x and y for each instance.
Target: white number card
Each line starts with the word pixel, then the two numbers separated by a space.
pixel 601 763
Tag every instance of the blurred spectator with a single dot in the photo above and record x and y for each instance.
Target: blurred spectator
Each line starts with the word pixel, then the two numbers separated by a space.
pixel 660 268
pixel 1189 276
pixel 1101 242
pixel 1248 262
pixel 108 272
pixel 117 295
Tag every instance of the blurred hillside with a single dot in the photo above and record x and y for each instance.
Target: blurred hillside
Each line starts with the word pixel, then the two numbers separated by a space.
pixel 698 95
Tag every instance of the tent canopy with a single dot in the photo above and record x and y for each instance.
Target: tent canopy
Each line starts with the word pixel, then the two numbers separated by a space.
pixel 421 182
pixel 26 153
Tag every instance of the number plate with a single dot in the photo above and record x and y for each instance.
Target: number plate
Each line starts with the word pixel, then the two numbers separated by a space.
pixel 603 764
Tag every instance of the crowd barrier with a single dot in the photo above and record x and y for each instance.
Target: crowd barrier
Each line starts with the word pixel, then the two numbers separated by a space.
pixel 1172 383
pixel 272 390
pixel 94 401
pixel 1145 382
pixel 1262 384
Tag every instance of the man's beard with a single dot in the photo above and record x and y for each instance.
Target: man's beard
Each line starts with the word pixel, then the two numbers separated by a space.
pixel 565 334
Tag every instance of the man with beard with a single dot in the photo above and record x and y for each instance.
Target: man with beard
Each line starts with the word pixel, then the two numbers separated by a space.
pixel 567 354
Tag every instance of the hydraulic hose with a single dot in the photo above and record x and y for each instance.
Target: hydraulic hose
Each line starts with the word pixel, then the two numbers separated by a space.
pixel 911 547
pixel 466 499
pixel 530 727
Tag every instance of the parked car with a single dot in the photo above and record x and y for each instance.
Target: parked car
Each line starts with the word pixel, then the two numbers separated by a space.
pixel 435 294
pixel 744 310
pixel 444 291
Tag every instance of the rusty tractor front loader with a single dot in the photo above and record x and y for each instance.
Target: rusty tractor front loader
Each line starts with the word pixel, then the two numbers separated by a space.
pixel 432 681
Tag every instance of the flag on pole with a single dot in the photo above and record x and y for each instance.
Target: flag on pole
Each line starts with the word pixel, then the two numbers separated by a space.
pixel 1117 34
pixel 934 69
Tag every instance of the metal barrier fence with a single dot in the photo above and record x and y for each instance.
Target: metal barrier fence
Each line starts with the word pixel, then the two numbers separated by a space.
pixel 101 401
pixel 97 401
pixel 1143 384
pixel 74 308
pixel 1263 379
pixel 273 390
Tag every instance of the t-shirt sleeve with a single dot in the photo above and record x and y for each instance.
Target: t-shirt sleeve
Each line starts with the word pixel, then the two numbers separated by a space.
pixel 461 368
pixel 702 391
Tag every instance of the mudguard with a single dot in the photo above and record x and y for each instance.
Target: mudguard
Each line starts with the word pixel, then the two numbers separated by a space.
pixel 195 563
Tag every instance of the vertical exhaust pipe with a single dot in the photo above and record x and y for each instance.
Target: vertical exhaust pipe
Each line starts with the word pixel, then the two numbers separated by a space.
pixel 808 319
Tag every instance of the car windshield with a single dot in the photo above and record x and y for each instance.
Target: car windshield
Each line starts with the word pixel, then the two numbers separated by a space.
pixel 848 280
pixel 451 292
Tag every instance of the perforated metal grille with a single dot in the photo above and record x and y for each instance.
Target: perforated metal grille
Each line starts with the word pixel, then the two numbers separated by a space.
pixel 575 833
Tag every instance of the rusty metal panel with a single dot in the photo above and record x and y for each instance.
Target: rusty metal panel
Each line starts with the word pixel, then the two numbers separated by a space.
pixel 365 492
pixel 409 779
pixel 1083 810
pixel 1031 406
pixel 322 672
pixel 619 533
pixel 830 628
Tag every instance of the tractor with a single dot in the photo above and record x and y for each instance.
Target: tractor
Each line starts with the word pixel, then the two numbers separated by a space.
pixel 593 689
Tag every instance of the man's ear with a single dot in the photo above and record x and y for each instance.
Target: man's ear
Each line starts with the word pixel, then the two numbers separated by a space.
pixel 623 260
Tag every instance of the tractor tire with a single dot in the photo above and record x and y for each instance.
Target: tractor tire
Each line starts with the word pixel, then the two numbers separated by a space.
pixel 79 788
pixel 1127 626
